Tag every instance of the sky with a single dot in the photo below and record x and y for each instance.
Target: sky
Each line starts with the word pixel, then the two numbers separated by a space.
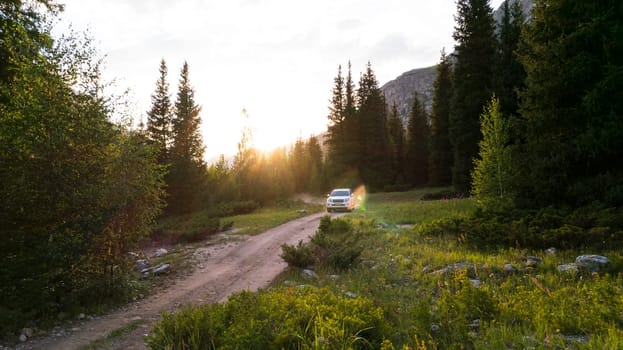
pixel 275 59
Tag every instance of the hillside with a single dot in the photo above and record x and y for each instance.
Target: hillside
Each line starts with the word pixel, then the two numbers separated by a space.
pixel 421 79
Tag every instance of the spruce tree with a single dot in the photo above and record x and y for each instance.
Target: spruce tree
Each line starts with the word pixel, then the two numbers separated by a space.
pixel 337 128
pixel 472 85
pixel 397 142
pixel 351 123
pixel 300 165
pixel 160 117
pixel 314 153
pixel 417 145
pixel 374 147
pixel 188 144
pixel 509 74
pixel 440 164
pixel 187 177
pixel 573 104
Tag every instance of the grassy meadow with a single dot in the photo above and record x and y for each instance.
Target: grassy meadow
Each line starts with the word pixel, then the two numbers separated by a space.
pixel 413 288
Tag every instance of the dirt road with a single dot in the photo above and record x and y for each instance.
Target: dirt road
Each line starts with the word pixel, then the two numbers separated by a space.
pixel 223 269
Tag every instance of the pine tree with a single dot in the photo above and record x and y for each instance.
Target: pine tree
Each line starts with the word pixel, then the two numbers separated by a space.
pixel 374 147
pixel 397 142
pixel 316 178
pixel 351 123
pixel 188 144
pixel 300 165
pixel 492 170
pixel 337 128
pixel 187 178
pixel 160 117
pixel 472 86
pixel 417 145
pixel 440 164
pixel 573 104
pixel 509 74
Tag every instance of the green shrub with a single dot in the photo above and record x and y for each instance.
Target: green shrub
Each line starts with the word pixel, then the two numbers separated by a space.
pixel 300 256
pixel 442 194
pixel 285 318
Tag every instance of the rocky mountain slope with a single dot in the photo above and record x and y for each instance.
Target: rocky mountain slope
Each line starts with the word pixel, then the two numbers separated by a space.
pixel 421 80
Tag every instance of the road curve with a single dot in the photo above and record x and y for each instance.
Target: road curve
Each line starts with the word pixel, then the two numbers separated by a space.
pixel 249 264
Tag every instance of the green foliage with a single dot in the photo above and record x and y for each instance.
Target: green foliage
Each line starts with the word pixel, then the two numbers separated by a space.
pixel 471 82
pixel 160 118
pixel 343 129
pixel 417 153
pixel 284 318
pixel 269 216
pixel 509 74
pixel 594 227
pixel 492 171
pixel 77 191
pixel 187 177
pixel 374 148
pixel 572 104
pixel 398 144
pixel 336 245
pixel 301 255
pixel 440 162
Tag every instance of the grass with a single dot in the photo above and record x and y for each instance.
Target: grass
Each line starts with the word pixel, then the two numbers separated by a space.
pixel 436 292
pixel 401 208
pixel 269 217
pixel 401 270
pixel 113 335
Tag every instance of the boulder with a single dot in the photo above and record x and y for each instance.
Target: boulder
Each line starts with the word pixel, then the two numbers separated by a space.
pixel 509 268
pixel 571 268
pixel 551 251
pixel 307 273
pixel 162 268
pixel 533 261
pixel 160 252
pixel 142 264
pixel 591 263
pixel 475 283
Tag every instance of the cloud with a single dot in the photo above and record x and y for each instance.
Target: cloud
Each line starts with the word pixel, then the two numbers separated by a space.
pixel 391 46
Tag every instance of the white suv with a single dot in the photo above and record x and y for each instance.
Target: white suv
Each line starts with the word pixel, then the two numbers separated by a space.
pixel 340 199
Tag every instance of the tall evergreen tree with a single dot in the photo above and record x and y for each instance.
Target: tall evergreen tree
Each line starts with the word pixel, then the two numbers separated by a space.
pixel 187 177
pixel 314 151
pixel 440 165
pixel 351 122
pixel 337 129
pixel 472 85
pixel 374 147
pixel 300 165
pixel 244 162
pixel 397 142
pixel 343 130
pixel 509 74
pixel 160 117
pixel 573 104
pixel 417 154
pixel 188 144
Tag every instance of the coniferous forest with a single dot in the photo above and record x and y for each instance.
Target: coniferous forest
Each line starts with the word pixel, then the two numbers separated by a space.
pixel 527 119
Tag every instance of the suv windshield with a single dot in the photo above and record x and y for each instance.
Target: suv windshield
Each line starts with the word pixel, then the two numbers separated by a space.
pixel 340 193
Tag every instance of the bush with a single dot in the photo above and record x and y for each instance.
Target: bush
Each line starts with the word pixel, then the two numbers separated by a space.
pixel 279 319
pixel 300 256
pixel 586 227
pixel 335 245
